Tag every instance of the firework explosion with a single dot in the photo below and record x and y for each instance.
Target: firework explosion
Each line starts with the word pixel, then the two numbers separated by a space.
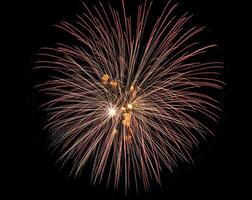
pixel 127 103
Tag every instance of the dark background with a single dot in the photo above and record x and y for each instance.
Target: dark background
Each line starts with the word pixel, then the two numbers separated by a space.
pixel 32 173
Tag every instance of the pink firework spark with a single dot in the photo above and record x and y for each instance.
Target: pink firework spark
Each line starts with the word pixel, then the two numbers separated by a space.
pixel 125 103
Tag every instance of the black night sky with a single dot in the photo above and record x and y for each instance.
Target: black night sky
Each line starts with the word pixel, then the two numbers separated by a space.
pixel 33 173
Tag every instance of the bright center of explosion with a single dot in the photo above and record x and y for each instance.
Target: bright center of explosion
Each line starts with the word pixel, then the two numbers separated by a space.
pixel 112 111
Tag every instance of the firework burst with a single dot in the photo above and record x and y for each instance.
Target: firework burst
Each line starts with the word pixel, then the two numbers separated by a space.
pixel 124 97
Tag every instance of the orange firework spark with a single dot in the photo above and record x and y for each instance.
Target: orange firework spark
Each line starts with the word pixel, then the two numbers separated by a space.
pixel 124 103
